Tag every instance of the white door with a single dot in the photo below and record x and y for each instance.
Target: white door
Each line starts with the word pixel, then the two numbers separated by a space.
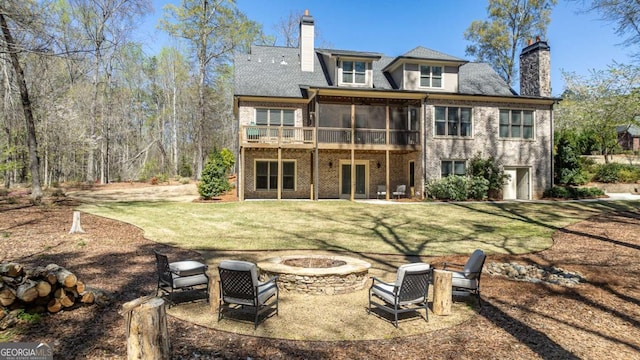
pixel 510 189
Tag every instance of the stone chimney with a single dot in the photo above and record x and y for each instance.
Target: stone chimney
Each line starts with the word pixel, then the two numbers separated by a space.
pixel 306 42
pixel 535 69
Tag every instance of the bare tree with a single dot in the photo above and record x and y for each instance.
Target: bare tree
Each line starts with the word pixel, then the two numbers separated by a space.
pixel 13 49
pixel 624 14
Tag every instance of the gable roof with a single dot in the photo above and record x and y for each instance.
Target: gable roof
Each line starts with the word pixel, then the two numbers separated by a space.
pixel 274 71
pixel 425 54
pixel 632 130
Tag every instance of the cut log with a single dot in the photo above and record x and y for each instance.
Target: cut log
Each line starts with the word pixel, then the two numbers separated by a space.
pixel 67 302
pixel 11 269
pixel 442 292
pixel 94 296
pixel 54 306
pixel 7 296
pixel 80 288
pixel 43 287
pixel 65 277
pixel 27 291
pixel 59 293
pixel 147 331
pixel 71 292
pixel 43 273
pixel 76 227
pixel 87 298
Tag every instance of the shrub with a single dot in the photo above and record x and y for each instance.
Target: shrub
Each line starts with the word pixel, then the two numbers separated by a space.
pixel 214 177
pixel 452 187
pixel 608 173
pixel 568 169
pixel 616 172
pixel 184 180
pixel 568 192
pixel 185 169
pixel 478 188
pixel 488 169
pixel 227 158
pixel 629 174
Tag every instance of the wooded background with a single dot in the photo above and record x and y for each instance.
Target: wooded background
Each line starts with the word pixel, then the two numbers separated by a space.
pixel 101 109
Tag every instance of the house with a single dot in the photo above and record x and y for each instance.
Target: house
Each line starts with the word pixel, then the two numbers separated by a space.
pixel 327 124
pixel 629 137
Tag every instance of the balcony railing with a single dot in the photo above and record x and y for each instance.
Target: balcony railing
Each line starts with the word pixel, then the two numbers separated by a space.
pixel 276 135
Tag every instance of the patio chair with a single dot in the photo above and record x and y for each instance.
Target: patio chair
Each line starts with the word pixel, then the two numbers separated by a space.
pixel 400 191
pixel 467 281
pixel 185 275
pixel 407 294
pixel 240 289
pixel 382 191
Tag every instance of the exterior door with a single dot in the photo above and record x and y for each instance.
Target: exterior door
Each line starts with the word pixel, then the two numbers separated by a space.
pixel 510 190
pixel 518 186
pixel 361 181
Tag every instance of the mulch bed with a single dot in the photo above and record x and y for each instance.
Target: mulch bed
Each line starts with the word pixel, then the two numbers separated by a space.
pixel 597 319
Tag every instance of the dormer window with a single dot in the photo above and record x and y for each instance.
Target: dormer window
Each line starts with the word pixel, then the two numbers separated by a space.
pixel 430 76
pixel 354 72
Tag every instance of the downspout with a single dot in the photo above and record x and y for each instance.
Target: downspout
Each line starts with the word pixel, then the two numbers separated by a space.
pixel 551 145
pixel 423 126
pixel 316 162
pixel 240 154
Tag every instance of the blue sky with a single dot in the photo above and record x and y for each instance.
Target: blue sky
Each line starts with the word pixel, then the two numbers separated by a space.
pixel 579 42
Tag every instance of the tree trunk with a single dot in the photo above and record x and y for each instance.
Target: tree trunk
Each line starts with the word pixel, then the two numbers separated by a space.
pixel 76 227
pixel 147 331
pixel 36 188
pixel 442 292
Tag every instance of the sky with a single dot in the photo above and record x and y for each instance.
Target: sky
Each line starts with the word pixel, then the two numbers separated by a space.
pixel 579 41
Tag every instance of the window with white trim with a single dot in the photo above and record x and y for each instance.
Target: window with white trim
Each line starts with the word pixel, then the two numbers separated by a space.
pixel 267 175
pixel 453 167
pixel 516 124
pixel 452 121
pixel 275 117
pixel 354 72
pixel 430 76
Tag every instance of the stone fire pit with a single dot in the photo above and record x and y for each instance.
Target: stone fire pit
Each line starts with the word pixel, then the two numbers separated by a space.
pixel 317 274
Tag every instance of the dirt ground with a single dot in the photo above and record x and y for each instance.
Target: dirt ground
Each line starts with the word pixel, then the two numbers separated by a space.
pixel 599 319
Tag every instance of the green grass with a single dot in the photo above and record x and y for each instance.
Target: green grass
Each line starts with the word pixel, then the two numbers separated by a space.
pixel 407 229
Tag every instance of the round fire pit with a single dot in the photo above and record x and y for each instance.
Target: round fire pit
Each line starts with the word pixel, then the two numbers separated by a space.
pixel 317 274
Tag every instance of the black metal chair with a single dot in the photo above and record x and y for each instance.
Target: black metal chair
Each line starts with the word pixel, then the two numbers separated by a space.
pixel 467 281
pixel 186 275
pixel 407 294
pixel 241 290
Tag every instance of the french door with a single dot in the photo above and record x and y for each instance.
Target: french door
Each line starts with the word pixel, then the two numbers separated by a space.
pixel 361 183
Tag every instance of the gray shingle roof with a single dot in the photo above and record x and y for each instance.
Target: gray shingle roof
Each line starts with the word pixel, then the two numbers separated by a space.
pixel 481 79
pixel 271 71
pixel 429 54
pixel 633 130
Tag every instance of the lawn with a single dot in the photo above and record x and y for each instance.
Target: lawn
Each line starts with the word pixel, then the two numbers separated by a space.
pixel 432 229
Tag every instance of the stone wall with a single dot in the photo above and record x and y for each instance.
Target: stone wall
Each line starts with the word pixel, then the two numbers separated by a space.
pixel 321 284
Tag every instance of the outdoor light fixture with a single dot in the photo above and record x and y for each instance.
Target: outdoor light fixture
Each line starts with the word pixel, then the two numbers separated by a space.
pixel 330 163
pixel 378 164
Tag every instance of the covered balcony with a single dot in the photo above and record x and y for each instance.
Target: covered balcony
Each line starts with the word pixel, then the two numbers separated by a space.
pixel 345 123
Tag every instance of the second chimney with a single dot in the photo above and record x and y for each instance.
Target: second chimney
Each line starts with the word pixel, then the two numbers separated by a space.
pixel 535 70
pixel 306 42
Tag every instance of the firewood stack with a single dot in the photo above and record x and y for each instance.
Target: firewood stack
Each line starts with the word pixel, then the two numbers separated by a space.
pixel 51 288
